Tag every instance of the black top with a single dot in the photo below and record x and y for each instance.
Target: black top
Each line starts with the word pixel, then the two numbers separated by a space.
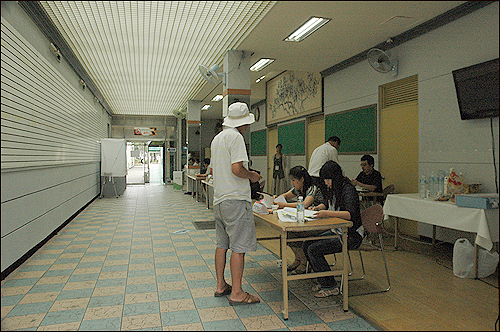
pixel 349 202
pixel 373 179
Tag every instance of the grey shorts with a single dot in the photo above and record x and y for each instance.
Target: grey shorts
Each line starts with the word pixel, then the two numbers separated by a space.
pixel 235 226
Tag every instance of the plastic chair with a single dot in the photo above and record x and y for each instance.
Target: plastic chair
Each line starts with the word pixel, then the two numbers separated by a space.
pixel 372 219
pixel 390 189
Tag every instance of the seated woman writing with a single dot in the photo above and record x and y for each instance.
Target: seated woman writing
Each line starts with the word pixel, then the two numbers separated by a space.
pixel 340 201
pixel 302 186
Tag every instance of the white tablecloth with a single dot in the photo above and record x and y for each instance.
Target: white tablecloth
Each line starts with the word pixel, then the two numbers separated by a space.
pixel 445 214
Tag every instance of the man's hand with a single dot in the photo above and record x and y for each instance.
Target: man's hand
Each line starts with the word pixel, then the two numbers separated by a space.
pixel 254 176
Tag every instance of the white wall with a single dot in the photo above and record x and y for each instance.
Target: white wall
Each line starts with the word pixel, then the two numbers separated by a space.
pixel 444 139
pixel 51 129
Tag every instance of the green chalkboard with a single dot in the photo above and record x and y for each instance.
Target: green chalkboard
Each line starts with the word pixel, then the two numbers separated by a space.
pixel 258 143
pixel 356 128
pixel 292 137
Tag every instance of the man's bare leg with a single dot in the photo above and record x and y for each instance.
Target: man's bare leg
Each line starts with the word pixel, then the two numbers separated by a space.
pixel 220 266
pixel 237 264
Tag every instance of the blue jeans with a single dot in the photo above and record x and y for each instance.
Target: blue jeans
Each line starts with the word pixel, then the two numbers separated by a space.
pixel 316 251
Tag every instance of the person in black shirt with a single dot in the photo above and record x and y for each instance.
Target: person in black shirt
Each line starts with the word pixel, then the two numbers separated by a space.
pixel 369 178
pixel 340 201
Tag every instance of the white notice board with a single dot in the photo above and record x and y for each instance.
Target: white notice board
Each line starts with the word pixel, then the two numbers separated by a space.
pixel 114 157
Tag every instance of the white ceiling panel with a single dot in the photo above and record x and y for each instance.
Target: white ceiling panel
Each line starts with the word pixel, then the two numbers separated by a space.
pixel 143 56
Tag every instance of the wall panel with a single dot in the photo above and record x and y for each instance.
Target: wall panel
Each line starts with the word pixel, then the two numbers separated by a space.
pixel 39 103
pixel 50 152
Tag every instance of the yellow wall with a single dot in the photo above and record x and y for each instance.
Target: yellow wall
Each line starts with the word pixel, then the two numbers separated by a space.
pixel 315 135
pixel 398 156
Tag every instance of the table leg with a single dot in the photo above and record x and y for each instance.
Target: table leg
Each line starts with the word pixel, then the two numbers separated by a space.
pixel 197 190
pixel 284 273
pixel 396 224
pixel 476 259
pixel 207 196
pixel 433 236
pixel 345 272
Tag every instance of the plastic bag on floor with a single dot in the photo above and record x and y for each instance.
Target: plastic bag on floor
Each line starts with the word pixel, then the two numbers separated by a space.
pixel 463 260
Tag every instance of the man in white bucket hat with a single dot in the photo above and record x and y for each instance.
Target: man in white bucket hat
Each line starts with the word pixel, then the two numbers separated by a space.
pixel 234 223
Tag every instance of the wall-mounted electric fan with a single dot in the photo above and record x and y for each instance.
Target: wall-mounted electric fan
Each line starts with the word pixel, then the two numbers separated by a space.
pixel 382 61
pixel 180 113
pixel 210 74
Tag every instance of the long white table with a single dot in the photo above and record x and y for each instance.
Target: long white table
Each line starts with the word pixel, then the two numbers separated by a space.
pixel 484 223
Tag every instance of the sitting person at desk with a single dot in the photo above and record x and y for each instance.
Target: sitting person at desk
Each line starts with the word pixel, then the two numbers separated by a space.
pixel 340 201
pixel 369 179
pixel 302 186
pixel 205 169
pixel 205 174
pixel 191 162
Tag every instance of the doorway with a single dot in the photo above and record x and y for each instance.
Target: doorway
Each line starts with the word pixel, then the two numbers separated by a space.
pixel 145 162
pixel 136 162
pixel 156 157
pixel 272 141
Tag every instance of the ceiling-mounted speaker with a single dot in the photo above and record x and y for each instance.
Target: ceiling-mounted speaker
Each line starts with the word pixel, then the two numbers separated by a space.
pixel 55 51
pixel 82 83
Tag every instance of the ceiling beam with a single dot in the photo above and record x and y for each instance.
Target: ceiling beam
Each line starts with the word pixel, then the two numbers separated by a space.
pixel 419 30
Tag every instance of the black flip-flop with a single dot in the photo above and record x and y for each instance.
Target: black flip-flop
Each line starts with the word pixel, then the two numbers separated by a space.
pixel 226 291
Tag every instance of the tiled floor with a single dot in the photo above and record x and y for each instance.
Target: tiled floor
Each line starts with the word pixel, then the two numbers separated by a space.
pixel 122 264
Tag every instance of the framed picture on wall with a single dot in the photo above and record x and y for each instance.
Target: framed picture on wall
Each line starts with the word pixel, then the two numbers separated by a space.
pixel 292 94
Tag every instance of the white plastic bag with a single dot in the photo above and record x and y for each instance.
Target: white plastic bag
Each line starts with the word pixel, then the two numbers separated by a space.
pixel 463 260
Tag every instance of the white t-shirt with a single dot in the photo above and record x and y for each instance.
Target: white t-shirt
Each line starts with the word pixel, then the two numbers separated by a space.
pixel 228 147
pixel 320 156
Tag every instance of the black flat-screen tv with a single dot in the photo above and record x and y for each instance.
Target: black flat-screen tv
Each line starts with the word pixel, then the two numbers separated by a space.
pixel 477 90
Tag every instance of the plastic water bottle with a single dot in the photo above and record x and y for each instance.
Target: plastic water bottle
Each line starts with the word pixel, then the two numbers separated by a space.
pixel 433 184
pixel 422 189
pixel 440 190
pixel 300 209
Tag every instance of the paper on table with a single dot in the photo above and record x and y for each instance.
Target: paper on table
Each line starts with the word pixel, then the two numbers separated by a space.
pixel 269 200
pixel 280 199
pixel 289 214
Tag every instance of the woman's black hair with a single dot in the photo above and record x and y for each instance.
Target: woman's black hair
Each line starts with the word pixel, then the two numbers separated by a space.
pixel 299 172
pixel 332 170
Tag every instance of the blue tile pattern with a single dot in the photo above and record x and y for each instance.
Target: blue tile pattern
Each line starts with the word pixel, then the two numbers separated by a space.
pixel 118 265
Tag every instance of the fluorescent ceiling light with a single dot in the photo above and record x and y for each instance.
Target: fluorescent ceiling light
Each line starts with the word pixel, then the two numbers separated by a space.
pixel 259 65
pixel 217 98
pixel 206 107
pixel 313 24
pixel 260 79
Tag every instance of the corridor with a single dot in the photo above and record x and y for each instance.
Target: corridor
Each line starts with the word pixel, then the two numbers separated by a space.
pixel 139 263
